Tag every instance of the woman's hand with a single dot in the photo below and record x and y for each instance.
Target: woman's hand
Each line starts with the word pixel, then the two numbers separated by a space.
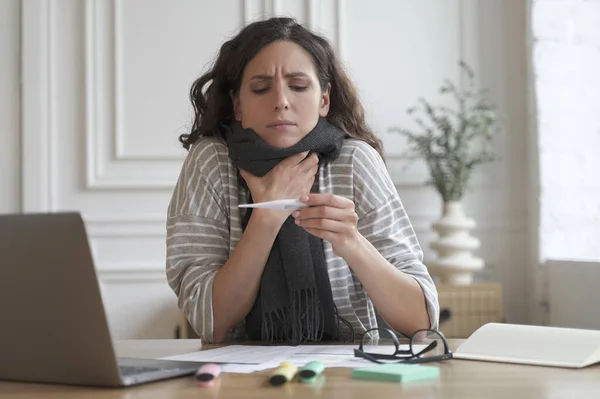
pixel 291 178
pixel 331 218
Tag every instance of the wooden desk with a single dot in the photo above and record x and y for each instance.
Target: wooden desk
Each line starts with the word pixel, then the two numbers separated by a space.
pixel 459 379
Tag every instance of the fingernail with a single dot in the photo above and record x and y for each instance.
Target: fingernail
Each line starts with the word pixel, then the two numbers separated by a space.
pixel 304 198
pixel 296 214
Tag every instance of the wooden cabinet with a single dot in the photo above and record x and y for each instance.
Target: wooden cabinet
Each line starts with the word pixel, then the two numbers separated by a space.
pixel 471 306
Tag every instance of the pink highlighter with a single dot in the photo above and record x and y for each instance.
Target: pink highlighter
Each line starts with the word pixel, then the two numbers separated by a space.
pixel 207 374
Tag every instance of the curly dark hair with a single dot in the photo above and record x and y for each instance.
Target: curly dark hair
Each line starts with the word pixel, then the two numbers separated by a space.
pixel 213 105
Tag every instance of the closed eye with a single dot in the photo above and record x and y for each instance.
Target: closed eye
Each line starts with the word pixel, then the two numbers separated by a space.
pixel 294 87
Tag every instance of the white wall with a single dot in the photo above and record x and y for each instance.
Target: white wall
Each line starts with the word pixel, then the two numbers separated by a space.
pixel 10 25
pixel 105 97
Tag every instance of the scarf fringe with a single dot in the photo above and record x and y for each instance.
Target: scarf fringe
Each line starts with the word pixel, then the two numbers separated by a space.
pixel 303 321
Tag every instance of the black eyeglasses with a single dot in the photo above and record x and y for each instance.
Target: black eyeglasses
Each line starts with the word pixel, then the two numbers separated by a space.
pixel 425 346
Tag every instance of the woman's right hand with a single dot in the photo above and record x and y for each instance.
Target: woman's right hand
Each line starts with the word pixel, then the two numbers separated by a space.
pixel 291 178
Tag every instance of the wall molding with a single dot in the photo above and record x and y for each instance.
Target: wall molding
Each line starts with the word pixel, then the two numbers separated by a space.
pixel 340 28
pixel 253 10
pixel 132 276
pixel 312 14
pixel 108 164
pixel 38 170
pixel 313 17
pixel 120 152
pixel 108 225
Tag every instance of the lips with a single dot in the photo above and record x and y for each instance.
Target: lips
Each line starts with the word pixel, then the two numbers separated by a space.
pixel 281 123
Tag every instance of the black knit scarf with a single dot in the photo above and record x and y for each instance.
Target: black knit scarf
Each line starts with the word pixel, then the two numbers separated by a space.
pixel 295 302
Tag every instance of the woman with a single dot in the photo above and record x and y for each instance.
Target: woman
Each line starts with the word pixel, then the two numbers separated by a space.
pixel 277 118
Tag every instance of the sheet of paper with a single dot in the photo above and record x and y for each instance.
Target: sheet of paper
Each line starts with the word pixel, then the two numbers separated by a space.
pixel 248 358
pixel 341 355
pixel 240 354
pixel 346 351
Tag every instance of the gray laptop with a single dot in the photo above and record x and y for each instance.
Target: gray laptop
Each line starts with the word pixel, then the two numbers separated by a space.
pixel 53 328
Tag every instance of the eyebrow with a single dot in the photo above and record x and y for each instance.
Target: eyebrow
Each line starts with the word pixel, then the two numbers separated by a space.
pixel 288 75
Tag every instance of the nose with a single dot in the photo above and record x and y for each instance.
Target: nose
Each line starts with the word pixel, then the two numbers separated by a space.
pixel 281 101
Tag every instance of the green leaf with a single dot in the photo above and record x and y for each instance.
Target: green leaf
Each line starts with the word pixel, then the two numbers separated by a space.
pixel 453 141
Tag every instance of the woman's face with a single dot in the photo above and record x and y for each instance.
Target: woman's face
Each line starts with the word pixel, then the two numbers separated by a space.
pixel 280 97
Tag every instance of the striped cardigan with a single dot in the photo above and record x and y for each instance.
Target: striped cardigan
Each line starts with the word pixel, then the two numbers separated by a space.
pixel 204 227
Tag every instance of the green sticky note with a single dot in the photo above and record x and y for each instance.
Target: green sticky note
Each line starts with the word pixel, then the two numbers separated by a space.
pixel 396 372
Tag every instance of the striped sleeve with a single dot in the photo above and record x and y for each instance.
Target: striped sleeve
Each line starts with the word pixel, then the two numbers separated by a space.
pixel 197 236
pixel 384 222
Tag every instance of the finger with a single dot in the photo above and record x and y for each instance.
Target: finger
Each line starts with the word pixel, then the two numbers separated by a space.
pixel 311 181
pixel 310 173
pixel 294 160
pixel 333 226
pixel 309 164
pixel 312 158
pixel 314 170
pixel 304 188
pixel 326 212
pixel 331 200
pixel 322 234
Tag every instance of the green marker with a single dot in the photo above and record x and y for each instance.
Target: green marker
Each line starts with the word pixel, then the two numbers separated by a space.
pixel 311 372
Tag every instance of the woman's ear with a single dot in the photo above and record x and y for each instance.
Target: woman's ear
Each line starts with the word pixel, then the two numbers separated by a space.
pixel 325 101
pixel 237 112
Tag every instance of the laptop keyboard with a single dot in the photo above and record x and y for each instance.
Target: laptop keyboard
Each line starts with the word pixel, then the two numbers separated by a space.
pixel 134 370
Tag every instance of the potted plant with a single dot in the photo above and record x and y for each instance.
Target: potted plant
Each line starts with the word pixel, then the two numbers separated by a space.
pixel 453 142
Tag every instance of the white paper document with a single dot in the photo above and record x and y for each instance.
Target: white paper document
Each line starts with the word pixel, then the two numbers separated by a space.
pixel 283 204
pixel 339 355
pixel 248 358
pixel 342 351
pixel 240 354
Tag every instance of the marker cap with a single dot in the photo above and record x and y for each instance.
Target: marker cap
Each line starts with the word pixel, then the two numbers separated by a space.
pixel 284 373
pixel 311 371
pixel 207 374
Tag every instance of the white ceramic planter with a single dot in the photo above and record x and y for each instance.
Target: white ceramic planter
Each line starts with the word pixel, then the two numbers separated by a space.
pixel 455 263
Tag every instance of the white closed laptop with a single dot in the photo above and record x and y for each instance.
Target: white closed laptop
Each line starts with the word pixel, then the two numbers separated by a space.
pixel 54 328
pixel 535 345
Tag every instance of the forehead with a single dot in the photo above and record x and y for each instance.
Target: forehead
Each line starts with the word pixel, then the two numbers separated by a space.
pixel 281 55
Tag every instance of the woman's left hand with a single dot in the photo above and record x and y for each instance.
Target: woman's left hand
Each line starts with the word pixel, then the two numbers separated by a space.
pixel 332 218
